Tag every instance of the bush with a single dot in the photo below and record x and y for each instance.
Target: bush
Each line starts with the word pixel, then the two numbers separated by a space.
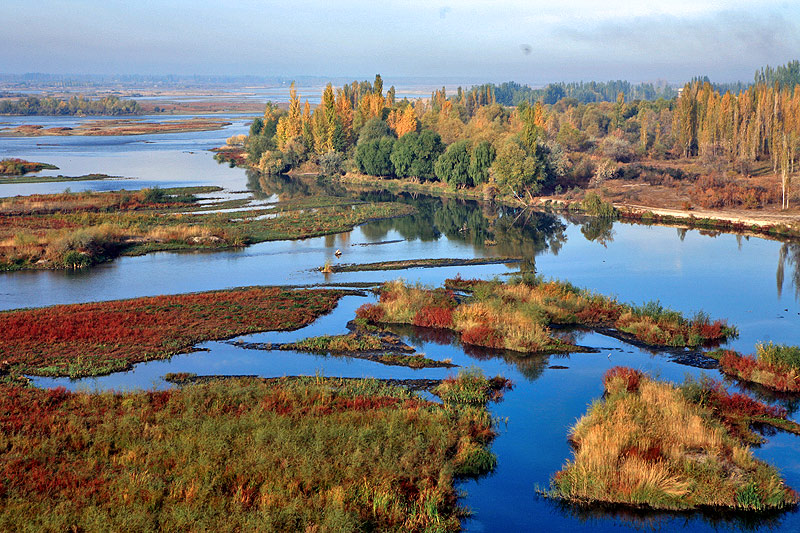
pixel 75 259
pixel 617 149
pixel 629 378
pixel 155 195
pixel 593 205
pixel 779 355
pixel 370 312
pixel 331 163
pixel 434 317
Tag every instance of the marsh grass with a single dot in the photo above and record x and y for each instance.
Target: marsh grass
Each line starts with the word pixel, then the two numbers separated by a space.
pixel 76 230
pixel 337 343
pixel 471 387
pixel 238 455
pixel 100 338
pixel 516 316
pixel 774 366
pixel 647 444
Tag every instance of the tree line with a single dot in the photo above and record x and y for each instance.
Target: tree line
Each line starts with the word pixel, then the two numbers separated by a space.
pixel 75 105
pixel 469 138
pixel 762 123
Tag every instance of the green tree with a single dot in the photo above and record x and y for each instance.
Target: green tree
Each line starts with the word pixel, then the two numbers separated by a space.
pixel 483 156
pixel 524 168
pixel 256 126
pixel 453 165
pixel 373 156
pixel 374 128
pixel 414 154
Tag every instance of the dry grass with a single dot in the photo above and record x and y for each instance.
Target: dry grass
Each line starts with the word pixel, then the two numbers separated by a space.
pixel 516 316
pixel 650 446
pixel 74 230
pixel 484 321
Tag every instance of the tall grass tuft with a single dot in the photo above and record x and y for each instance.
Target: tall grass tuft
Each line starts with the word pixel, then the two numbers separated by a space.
pixel 651 444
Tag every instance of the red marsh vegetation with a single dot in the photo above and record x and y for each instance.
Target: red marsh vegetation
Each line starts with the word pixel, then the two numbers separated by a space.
pixel 100 338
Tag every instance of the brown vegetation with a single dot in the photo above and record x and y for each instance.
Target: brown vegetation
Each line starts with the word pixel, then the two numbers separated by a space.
pixel 776 367
pixel 516 316
pixel 651 444
pixel 118 127
pixel 75 230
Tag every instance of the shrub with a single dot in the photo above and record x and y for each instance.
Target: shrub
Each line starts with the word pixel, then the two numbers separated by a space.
pixel 779 355
pixel 628 377
pixel 154 195
pixel 482 336
pixel 434 317
pixel 370 312
pixel 75 259
pixel 595 206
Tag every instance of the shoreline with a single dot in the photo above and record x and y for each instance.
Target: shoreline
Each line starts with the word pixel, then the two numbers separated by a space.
pixel 748 222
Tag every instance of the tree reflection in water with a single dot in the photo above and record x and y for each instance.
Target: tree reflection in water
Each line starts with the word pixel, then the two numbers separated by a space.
pixel 789 254
pixel 492 230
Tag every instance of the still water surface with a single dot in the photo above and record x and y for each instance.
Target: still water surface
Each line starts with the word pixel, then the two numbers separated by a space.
pixel 751 282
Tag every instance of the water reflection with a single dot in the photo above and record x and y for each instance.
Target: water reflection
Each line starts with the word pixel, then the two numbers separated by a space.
pixel 789 254
pixel 288 188
pixel 595 229
pixel 492 230
pixel 530 366
pixel 644 520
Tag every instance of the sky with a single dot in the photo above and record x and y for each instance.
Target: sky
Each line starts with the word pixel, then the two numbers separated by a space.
pixel 529 41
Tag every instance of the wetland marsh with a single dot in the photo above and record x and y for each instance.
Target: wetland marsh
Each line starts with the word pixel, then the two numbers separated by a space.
pixel 752 283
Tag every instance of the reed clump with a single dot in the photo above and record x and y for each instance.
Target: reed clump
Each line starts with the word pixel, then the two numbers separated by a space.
pixel 654 445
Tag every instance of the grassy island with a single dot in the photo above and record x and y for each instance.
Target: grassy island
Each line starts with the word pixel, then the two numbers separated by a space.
pixel 20 167
pixel 308 454
pixel 76 230
pixel 653 445
pixel 517 316
pixel 371 344
pixel 99 338
pixel 774 366
pixel 117 127
pixel 8 180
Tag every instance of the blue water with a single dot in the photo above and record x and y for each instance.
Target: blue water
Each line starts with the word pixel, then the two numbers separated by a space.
pixel 727 276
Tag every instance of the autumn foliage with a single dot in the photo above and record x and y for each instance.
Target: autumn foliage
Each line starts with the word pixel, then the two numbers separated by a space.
pixel 655 445
pixel 516 316
pixel 628 377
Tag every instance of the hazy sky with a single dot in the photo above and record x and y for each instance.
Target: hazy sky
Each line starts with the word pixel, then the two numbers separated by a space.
pixel 525 40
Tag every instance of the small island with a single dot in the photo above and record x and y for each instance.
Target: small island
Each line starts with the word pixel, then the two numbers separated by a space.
pixel 654 445
pixel 20 167
pixel 118 127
